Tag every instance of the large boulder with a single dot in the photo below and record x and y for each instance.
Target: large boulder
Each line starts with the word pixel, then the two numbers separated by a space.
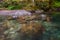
pixel 14 12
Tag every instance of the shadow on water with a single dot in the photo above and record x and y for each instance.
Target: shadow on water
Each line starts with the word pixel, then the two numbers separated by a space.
pixel 51 32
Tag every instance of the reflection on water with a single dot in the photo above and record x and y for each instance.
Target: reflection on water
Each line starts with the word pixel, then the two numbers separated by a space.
pixel 12 29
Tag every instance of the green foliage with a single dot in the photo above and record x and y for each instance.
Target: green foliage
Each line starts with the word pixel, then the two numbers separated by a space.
pixel 11 5
pixel 57 0
pixel 42 5
pixel 56 4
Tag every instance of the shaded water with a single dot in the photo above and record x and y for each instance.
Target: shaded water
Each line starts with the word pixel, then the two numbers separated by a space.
pixel 11 30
